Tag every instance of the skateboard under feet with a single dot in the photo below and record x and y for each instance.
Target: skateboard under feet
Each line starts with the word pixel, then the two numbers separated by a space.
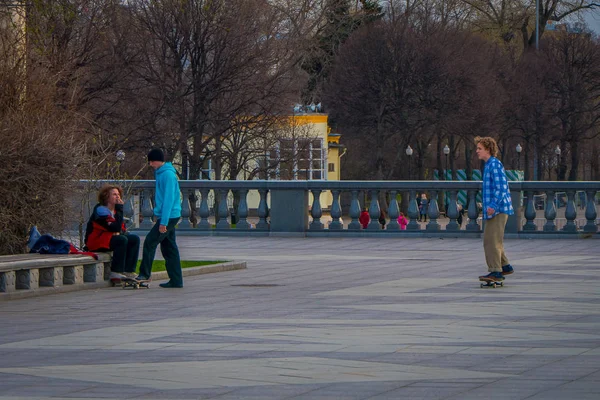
pixel 491 284
pixel 130 283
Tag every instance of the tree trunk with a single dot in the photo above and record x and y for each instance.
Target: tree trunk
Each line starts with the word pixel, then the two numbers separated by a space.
pixel 574 161
pixel 452 163
pixel 469 167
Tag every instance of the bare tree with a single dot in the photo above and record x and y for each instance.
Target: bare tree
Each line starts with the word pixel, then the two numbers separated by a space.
pixel 212 66
pixel 393 84
pixel 505 20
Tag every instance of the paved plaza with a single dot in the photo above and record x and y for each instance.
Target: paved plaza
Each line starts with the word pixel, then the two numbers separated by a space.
pixel 331 318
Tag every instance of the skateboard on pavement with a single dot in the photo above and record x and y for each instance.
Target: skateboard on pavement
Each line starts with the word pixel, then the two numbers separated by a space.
pixel 130 283
pixel 489 283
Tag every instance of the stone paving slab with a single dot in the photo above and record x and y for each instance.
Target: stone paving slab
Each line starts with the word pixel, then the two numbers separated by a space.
pixel 329 318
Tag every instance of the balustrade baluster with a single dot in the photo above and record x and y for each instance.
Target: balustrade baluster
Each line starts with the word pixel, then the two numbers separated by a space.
pixel 590 212
pixel 530 213
pixel 204 211
pixel 223 210
pixel 452 212
pixel 413 212
pixel 263 210
pixel 394 212
pixel 434 212
pixel 185 210
pixel 374 212
pixel 242 211
pixel 550 212
pixel 147 212
pixel 354 212
pixel 128 207
pixel 570 213
pixel 472 212
pixel 336 212
pixel 315 211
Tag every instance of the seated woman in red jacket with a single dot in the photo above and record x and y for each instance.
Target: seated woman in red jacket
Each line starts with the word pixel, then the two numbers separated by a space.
pixel 106 231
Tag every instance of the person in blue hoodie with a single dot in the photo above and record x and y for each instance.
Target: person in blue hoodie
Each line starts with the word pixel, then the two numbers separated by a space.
pixel 167 210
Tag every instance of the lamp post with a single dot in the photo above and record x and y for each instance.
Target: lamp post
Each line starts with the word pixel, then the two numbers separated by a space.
pixel 519 150
pixel 557 152
pixel 446 152
pixel 409 153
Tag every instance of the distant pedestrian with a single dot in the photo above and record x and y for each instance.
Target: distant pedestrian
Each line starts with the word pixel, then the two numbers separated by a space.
pixel 364 218
pixel 497 206
pixel 461 212
pixel 167 210
pixel 402 221
pixel 423 204
pixel 382 219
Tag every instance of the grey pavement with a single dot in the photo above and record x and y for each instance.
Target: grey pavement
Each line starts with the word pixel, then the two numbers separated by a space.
pixel 322 318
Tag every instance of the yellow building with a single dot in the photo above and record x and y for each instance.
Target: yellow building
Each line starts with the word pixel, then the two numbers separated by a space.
pixel 306 149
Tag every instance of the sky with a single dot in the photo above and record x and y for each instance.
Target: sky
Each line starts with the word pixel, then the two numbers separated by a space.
pixel 592 18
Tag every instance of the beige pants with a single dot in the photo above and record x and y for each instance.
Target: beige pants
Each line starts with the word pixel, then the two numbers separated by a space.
pixel 493 243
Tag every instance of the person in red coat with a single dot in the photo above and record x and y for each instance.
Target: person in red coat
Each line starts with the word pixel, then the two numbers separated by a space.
pixel 105 231
pixel 364 218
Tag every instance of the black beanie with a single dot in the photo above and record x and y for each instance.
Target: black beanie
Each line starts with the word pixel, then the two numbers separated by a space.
pixel 156 155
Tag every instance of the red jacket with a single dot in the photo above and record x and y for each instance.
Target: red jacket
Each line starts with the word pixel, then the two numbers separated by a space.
pixel 102 226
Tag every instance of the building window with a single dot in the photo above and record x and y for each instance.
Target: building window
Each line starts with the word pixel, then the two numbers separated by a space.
pixel 298 159
pixel 331 167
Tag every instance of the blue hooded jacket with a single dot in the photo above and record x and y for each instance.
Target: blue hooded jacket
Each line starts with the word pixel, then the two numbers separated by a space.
pixel 167 199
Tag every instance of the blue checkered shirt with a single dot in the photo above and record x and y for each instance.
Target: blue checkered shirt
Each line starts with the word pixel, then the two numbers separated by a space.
pixel 495 189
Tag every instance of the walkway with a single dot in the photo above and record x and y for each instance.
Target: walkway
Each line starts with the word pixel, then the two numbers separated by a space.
pixel 322 319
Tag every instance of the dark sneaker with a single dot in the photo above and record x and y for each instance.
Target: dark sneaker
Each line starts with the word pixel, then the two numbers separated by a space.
pixel 507 269
pixel 142 278
pixel 492 277
pixel 169 285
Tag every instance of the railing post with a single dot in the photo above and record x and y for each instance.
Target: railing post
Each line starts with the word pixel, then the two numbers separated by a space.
pixel 530 213
pixel 336 212
pixel 242 211
pixel 513 222
pixel 204 211
pixel 374 211
pixel 185 210
pixel 315 211
pixel 570 213
pixel 413 212
pixel 223 210
pixel 434 212
pixel 472 212
pixel 590 212
pixel 394 212
pixel 354 212
pixel 550 212
pixel 452 212
pixel 263 210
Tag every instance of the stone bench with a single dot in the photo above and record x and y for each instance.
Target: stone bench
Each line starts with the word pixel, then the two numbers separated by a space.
pixel 26 273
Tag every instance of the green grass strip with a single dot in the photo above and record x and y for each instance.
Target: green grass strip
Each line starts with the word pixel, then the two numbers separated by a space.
pixel 159 265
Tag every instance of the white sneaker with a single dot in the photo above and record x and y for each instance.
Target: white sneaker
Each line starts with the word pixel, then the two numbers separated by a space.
pixel 131 275
pixel 116 275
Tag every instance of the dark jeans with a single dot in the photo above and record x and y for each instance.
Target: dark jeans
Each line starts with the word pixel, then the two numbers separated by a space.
pixel 126 249
pixel 168 248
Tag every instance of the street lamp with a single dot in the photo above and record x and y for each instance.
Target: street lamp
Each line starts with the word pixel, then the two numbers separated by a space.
pixel 409 153
pixel 446 152
pixel 120 156
pixel 519 150
pixel 557 152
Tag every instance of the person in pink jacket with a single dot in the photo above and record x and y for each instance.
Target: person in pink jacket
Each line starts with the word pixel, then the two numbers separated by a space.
pixel 402 221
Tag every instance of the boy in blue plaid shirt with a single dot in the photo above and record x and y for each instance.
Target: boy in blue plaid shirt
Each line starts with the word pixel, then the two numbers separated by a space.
pixel 497 206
